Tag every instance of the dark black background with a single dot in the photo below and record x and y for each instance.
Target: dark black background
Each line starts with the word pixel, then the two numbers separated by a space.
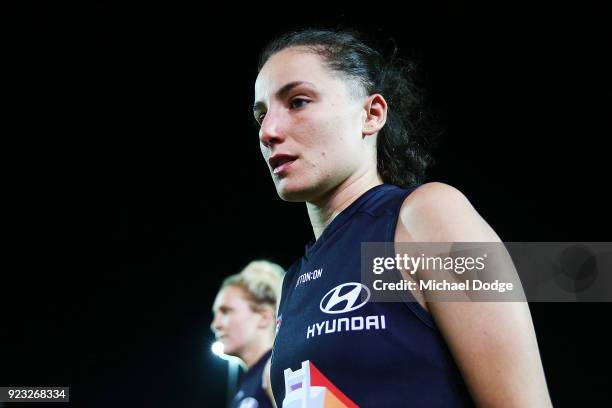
pixel 134 181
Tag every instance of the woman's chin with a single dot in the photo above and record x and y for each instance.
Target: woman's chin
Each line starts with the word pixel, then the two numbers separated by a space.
pixel 229 350
pixel 293 192
pixel 300 192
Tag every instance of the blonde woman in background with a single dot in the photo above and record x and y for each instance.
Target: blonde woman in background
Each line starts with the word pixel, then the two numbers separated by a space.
pixel 245 321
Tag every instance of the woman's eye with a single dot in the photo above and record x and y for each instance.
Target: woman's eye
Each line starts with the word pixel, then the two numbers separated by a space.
pixel 297 103
pixel 259 118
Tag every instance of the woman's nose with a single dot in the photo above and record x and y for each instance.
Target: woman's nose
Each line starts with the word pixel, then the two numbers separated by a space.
pixel 215 325
pixel 270 132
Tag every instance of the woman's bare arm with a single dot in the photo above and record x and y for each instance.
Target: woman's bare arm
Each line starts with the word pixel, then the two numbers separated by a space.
pixel 493 343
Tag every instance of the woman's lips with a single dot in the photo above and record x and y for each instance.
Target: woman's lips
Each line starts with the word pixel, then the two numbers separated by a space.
pixel 283 168
pixel 280 163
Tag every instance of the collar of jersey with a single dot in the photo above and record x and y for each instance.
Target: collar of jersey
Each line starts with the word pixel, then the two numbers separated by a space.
pixel 261 362
pixel 341 219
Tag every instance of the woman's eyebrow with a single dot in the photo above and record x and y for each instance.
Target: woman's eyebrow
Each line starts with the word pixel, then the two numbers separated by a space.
pixel 282 92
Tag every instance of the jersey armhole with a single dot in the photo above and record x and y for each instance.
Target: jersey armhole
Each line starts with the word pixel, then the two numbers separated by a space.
pixel 412 304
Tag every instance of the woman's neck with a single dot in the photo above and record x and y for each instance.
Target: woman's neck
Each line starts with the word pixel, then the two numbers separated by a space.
pixel 254 354
pixel 323 210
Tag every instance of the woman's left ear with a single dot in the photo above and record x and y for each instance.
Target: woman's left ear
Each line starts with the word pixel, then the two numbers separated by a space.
pixel 375 114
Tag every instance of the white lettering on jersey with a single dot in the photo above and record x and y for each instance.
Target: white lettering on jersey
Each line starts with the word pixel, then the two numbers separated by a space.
pixel 308 276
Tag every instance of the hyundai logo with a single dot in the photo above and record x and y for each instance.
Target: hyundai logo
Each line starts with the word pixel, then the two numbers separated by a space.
pixel 334 303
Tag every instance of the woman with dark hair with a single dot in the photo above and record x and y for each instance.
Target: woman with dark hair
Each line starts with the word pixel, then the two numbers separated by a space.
pixel 342 129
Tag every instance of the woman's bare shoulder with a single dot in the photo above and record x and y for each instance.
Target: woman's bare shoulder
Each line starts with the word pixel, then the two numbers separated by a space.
pixel 434 192
pixel 439 212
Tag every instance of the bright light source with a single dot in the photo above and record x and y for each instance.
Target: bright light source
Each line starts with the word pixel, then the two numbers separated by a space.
pixel 217 348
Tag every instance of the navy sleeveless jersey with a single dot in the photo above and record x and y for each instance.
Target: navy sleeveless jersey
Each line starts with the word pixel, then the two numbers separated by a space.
pixel 367 355
pixel 252 393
